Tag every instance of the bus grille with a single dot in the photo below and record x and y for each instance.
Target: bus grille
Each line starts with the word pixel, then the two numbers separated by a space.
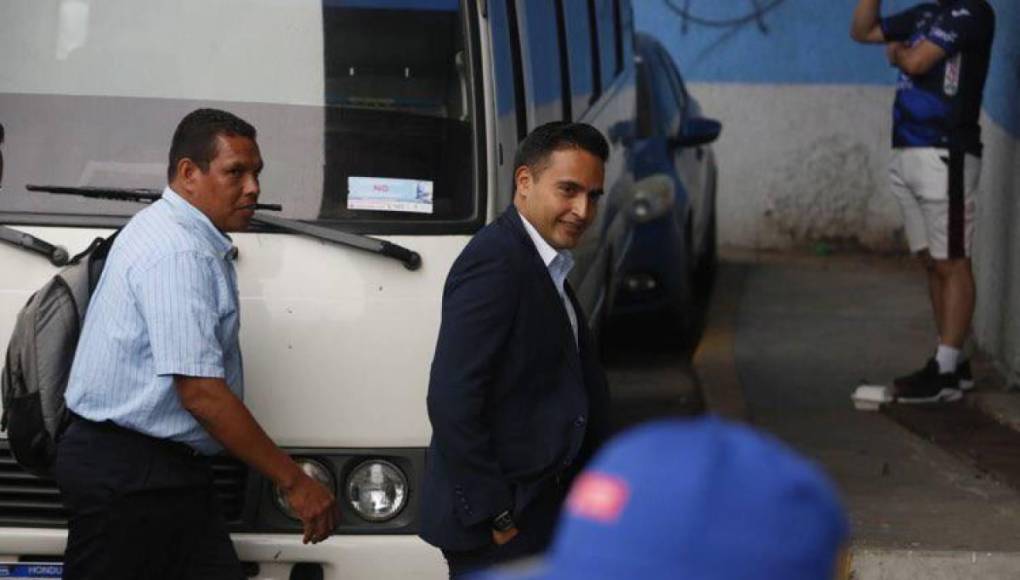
pixel 31 501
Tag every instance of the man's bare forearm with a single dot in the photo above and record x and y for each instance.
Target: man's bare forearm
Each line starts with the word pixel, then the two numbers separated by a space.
pixel 227 419
pixel 865 25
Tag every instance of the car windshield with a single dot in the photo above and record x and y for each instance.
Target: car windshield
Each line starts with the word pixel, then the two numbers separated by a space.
pixel 364 108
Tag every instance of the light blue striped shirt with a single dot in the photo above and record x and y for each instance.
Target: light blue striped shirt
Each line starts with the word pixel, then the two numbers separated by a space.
pixel 166 304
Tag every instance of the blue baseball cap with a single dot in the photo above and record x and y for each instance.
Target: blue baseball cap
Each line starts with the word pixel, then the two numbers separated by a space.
pixel 701 499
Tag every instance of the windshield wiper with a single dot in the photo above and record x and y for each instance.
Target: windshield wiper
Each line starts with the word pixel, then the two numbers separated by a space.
pixel 140 195
pixel 409 258
pixel 57 255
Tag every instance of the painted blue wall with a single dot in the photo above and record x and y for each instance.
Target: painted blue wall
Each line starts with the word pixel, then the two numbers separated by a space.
pixel 808 42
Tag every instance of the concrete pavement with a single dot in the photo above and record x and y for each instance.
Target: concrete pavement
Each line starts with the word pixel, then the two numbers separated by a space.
pixel 788 339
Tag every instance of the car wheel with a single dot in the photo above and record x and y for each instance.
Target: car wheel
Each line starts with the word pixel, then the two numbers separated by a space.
pixel 680 318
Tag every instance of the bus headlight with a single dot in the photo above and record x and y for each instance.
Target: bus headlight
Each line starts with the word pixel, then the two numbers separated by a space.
pixel 316 471
pixel 377 490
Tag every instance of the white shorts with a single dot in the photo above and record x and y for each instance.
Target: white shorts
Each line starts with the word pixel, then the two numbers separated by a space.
pixel 937 191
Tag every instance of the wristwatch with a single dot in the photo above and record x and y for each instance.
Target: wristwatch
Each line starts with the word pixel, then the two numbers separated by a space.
pixel 503 522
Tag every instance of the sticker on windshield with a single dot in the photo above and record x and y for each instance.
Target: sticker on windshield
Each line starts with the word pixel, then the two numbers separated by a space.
pixel 384 194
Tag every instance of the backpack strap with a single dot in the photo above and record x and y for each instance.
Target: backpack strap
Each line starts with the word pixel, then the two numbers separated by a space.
pixel 91 247
pixel 82 273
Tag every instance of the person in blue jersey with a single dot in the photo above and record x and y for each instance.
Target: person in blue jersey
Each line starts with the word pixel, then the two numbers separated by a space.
pixel 517 398
pixel 942 51
pixel 157 381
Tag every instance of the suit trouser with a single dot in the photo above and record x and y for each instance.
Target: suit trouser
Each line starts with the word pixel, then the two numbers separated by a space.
pixel 140 508
pixel 536 527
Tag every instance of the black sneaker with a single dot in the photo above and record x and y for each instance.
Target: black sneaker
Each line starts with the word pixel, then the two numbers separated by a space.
pixel 927 386
pixel 966 379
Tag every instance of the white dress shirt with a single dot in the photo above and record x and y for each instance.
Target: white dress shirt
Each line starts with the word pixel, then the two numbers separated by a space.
pixel 559 263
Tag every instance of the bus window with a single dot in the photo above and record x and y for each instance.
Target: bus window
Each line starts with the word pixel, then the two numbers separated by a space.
pixel 625 38
pixel 540 53
pixel 511 119
pixel 337 89
pixel 579 55
pixel 605 17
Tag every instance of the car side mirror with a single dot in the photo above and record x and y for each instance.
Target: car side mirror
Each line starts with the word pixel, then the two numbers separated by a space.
pixel 623 132
pixel 698 131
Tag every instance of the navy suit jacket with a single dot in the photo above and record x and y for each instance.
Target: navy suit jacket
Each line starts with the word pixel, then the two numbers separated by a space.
pixel 514 403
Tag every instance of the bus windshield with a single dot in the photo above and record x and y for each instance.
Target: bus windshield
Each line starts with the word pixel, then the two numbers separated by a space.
pixel 365 109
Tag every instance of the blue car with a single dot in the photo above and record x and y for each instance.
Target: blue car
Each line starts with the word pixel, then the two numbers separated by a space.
pixel 671 261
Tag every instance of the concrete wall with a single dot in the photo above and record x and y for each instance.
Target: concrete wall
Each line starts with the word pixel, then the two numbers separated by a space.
pixel 806 112
pixel 801 164
pixel 807 118
pixel 997 251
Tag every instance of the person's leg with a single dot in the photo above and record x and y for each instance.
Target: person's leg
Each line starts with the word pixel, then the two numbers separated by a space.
pixel 464 563
pixel 92 471
pixel 928 175
pixel 213 554
pixel 902 187
pixel 137 509
pixel 536 524
pixel 935 290
pixel 958 297
pixel 86 495
pixel 908 180
pixel 531 540
pixel 950 213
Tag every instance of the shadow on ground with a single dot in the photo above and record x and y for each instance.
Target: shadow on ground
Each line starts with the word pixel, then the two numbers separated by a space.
pixel 648 362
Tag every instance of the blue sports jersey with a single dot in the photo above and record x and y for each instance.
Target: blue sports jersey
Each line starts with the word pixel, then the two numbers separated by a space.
pixel 941 108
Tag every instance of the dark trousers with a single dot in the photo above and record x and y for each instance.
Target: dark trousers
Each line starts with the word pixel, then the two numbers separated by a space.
pixel 140 508
pixel 535 527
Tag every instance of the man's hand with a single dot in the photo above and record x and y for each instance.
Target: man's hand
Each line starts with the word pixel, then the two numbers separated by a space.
pixel 503 537
pixel 315 506
pixel 914 59
pixel 892 50
pixel 226 418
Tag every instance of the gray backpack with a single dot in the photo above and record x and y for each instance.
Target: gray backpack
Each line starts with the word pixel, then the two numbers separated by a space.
pixel 39 358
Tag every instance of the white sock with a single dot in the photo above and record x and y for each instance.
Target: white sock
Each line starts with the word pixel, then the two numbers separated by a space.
pixel 947 357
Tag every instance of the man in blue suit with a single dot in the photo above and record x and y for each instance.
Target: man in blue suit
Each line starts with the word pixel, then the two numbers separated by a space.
pixel 517 399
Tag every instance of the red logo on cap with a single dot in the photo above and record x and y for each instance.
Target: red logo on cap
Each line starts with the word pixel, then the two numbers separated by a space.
pixel 599 497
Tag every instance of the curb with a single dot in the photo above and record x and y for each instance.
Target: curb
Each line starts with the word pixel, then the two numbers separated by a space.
pixel 868 564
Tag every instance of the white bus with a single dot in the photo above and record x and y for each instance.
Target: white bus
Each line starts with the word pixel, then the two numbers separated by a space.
pixel 357 103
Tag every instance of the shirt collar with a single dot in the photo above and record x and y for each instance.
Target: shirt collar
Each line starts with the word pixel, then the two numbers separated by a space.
pixel 194 219
pixel 545 251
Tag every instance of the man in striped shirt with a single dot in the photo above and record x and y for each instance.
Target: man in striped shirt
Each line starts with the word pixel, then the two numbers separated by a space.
pixel 157 382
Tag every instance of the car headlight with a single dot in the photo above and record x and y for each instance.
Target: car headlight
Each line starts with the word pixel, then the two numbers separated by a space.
pixel 653 198
pixel 377 490
pixel 316 471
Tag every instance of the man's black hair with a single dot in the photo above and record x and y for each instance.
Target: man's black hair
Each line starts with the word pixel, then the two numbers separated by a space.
pixel 1 132
pixel 535 149
pixel 195 137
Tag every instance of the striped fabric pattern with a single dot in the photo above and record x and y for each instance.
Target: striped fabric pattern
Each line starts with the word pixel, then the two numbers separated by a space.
pixel 166 304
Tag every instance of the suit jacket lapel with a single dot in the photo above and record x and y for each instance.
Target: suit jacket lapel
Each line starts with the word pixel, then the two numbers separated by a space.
pixel 584 339
pixel 551 295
